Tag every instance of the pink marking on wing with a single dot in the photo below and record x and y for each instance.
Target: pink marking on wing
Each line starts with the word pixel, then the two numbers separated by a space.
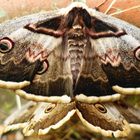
pixel 112 59
pixel 33 56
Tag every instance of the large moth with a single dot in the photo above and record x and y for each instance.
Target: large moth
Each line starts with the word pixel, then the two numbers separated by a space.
pixel 77 59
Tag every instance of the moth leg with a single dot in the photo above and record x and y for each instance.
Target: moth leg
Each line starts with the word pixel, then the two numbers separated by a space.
pixel 95 99
pixel 38 98
pixel 13 85
pixel 126 91
pixel 18 101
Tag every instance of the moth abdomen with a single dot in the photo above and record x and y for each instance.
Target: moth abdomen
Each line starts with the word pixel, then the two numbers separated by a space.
pixel 76 46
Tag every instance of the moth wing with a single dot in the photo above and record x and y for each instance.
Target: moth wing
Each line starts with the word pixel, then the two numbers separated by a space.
pixel 129 28
pixel 49 116
pixel 10 26
pixel 35 57
pixel 38 118
pixel 22 61
pixel 110 57
pixel 103 118
pixel 131 114
pixel 18 120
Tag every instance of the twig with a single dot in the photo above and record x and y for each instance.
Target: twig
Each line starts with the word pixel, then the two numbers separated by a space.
pixel 4 113
pixel 18 101
pixel 110 6
pixel 119 12
pixel 101 4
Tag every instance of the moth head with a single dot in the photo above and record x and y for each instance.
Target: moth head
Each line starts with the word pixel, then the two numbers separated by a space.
pixel 58 26
pixel 73 5
pixel 78 16
pixel 6 45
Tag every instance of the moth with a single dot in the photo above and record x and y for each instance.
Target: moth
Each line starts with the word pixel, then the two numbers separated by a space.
pixel 75 59
pixel 109 118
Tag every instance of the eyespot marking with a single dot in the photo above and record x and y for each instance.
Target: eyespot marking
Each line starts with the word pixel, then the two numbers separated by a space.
pixel 50 108
pixel 6 44
pixel 101 108
pixel 44 67
pixel 137 53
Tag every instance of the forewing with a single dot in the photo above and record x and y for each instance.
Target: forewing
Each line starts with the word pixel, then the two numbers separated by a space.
pixel 35 57
pixel 56 80
pixel 129 28
pixel 22 42
pixel 111 57
pixel 10 26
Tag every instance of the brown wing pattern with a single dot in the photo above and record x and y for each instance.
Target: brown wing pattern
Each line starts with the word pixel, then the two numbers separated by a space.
pixel 109 118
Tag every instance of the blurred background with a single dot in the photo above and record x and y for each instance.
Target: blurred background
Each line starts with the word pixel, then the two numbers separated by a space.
pixel 10 9
pixel 15 8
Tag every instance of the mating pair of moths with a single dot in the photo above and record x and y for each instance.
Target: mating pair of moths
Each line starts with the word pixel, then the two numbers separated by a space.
pixel 77 60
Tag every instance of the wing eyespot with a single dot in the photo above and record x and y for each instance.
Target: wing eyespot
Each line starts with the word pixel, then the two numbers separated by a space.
pixel 6 45
pixel 50 108
pixel 100 108
pixel 44 67
pixel 137 53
